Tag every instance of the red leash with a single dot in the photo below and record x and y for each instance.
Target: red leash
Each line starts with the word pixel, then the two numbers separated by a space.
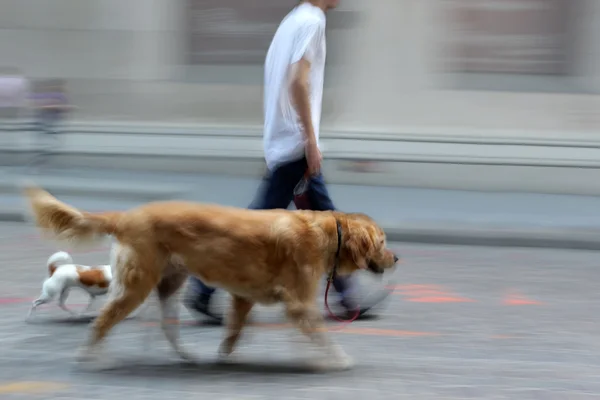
pixel 344 322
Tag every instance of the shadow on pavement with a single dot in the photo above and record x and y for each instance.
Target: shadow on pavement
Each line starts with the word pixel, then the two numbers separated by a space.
pixel 182 370
pixel 84 319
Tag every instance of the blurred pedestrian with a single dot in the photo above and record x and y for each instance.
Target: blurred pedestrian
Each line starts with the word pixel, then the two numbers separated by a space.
pixel 13 98
pixel 294 72
pixel 51 106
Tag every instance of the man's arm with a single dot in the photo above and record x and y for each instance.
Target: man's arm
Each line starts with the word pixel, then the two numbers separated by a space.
pixel 308 43
pixel 300 91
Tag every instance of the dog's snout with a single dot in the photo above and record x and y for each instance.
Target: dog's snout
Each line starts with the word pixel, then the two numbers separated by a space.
pixel 396 259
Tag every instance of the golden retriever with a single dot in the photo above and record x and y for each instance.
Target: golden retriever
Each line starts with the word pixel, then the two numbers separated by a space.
pixel 265 257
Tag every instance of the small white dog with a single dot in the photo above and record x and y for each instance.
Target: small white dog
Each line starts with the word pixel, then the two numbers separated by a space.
pixel 64 275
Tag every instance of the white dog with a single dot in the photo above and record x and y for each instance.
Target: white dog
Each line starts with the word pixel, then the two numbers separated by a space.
pixel 64 275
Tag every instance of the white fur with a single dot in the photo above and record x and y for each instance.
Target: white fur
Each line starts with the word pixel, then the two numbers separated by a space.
pixel 65 277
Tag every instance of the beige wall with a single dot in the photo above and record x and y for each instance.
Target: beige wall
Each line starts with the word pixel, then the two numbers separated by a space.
pixel 400 82
pixel 123 60
pixel 90 39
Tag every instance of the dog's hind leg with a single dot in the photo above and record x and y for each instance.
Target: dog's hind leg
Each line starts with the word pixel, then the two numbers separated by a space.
pixel 167 294
pixel 90 304
pixel 137 274
pixel 240 309
pixel 62 299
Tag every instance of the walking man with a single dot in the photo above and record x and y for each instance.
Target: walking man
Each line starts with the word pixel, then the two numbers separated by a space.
pixel 293 94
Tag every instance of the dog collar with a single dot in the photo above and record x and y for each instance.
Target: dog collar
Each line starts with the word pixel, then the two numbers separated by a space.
pixel 336 261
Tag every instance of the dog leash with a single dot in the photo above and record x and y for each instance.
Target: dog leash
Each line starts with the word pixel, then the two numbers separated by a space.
pixel 330 279
pixel 302 202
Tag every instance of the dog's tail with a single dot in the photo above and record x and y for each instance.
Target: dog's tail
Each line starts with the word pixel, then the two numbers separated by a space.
pixel 65 223
pixel 57 259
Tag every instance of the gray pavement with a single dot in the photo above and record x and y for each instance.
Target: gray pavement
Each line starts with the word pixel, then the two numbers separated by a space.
pixel 407 214
pixel 463 323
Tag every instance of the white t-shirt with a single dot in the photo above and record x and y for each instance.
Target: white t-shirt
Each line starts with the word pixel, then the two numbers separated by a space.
pixel 300 34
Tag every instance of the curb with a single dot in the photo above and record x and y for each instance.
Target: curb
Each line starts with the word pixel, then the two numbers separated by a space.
pixel 556 239
pixel 12 216
pixel 122 194
pixel 552 238
pixel 78 186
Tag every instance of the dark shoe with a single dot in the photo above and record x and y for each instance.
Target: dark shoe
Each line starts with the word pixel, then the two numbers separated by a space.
pixel 200 304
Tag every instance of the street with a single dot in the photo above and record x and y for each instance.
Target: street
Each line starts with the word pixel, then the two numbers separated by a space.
pixel 462 323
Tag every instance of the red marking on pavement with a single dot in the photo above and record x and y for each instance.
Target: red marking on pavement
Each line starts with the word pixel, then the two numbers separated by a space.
pixel 14 300
pixel 440 299
pixel 502 337
pixel 427 294
pixel 515 299
pixel 521 302
pixel 20 300
pixel 385 332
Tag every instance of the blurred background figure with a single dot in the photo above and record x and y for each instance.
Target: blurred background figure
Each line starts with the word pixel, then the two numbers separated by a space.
pixel 13 98
pixel 50 107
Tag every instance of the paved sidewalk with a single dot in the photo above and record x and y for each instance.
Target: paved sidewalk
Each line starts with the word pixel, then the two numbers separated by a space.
pixel 407 214
pixel 462 323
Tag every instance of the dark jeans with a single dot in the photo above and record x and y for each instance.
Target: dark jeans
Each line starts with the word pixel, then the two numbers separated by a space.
pixel 277 191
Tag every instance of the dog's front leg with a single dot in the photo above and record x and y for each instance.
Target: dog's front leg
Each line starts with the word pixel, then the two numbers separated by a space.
pixel 169 303
pixel 170 326
pixel 310 322
pixel 35 304
pixel 90 304
pixel 240 309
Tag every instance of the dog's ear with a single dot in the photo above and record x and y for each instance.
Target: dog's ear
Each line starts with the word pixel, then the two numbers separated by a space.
pixel 360 245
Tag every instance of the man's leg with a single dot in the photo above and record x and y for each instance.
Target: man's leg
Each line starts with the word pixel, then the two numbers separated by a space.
pixel 198 297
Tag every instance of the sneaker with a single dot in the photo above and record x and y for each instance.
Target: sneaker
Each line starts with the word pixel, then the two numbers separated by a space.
pixel 200 304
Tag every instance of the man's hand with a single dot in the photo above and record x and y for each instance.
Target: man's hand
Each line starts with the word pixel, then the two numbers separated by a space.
pixel 313 157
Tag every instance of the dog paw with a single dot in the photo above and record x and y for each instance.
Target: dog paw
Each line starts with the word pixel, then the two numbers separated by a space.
pixel 99 365
pixel 225 350
pixel 85 355
pixel 332 364
pixel 88 354
pixel 227 359
pixel 187 356
pixel 334 359
pixel 90 360
pixel 226 354
pixel 342 363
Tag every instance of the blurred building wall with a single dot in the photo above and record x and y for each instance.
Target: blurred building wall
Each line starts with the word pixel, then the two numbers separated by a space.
pixel 402 77
pixel 130 60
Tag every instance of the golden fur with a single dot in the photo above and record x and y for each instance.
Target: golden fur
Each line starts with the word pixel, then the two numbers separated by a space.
pixel 266 257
